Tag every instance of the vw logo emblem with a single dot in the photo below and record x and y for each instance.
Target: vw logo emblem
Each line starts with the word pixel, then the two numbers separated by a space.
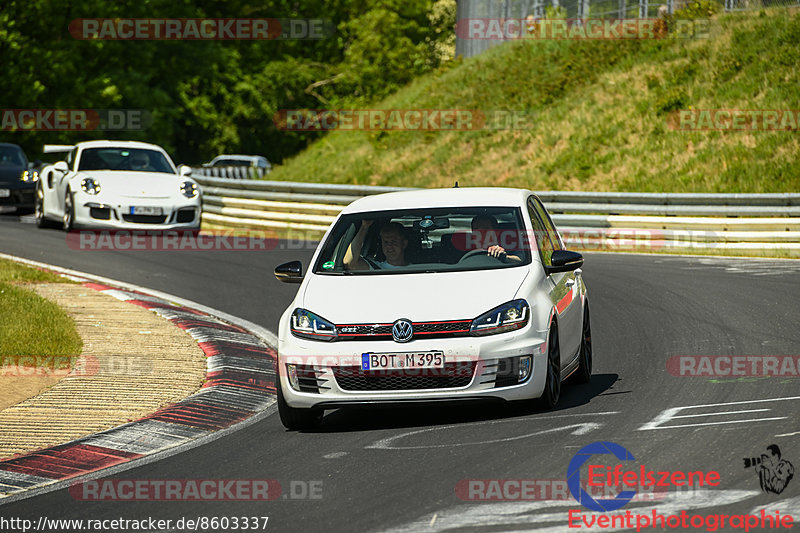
pixel 402 330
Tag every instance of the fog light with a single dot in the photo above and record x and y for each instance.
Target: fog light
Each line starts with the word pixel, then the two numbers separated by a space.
pixel 291 371
pixel 524 368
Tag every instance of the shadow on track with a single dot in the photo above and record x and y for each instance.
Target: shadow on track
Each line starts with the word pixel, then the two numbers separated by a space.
pixel 437 414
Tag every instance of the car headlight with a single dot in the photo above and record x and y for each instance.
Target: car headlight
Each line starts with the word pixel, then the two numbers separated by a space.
pixel 307 325
pixel 90 186
pixel 189 189
pixel 30 176
pixel 507 317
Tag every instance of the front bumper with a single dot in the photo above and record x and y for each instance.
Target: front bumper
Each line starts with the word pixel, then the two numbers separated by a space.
pixel 338 378
pixel 20 194
pixel 91 212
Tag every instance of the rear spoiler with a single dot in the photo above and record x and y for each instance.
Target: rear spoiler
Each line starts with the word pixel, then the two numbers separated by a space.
pixel 50 148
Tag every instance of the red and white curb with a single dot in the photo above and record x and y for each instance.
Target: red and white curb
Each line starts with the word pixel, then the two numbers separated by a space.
pixel 240 383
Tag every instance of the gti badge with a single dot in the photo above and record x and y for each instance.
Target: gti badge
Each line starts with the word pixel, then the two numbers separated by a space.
pixel 402 330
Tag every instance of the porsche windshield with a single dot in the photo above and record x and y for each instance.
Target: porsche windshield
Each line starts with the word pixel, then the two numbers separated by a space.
pixel 425 240
pixel 135 159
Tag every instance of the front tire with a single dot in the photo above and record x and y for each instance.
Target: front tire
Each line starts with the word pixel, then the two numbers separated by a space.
pixel 38 209
pixel 69 212
pixel 294 418
pixel 552 385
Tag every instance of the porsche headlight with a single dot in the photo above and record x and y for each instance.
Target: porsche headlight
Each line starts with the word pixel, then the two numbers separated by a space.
pixel 507 317
pixel 307 325
pixel 90 186
pixel 189 189
pixel 30 176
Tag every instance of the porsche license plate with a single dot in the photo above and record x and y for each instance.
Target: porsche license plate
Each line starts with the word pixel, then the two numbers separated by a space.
pixel 402 360
pixel 145 210
pixel 5 193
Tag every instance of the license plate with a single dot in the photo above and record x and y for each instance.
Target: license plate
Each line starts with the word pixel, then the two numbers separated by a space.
pixel 145 210
pixel 402 360
pixel 5 193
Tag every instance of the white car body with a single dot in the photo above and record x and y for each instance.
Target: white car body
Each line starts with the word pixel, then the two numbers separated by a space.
pixel 127 199
pixel 555 298
pixel 236 160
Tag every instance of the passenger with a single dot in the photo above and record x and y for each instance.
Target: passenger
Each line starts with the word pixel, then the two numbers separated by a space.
pixel 486 224
pixel 393 244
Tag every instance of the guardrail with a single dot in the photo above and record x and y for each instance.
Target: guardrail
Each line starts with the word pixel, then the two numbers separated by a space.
pixel 587 220
pixel 239 173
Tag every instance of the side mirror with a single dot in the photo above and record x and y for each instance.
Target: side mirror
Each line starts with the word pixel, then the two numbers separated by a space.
pixel 61 166
pixel 185 170
pixel 564 261
pixel 291 272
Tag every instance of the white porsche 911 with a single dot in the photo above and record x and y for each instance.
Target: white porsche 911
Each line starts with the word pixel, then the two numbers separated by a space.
pixel 116 184
pixel 433 295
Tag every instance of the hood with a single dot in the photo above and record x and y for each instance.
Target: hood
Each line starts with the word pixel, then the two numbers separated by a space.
pixel 136 184
pixel 418 297
pixel 10 174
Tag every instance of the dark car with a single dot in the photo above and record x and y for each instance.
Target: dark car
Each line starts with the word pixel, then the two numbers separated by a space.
pixel 17 178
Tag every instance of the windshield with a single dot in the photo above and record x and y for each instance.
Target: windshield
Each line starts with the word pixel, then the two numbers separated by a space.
pixel 11 156
pixel 425 240
pixel 136 159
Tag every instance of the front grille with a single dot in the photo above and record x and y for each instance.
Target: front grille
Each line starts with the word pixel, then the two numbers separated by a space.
pixel 185 215
pixel 102 213
pixel 428 330
pixel 144 219
pixel 308 379
pixel 452 376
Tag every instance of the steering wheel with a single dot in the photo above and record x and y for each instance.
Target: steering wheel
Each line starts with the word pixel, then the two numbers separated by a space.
pixel 371 263
pixel 475 253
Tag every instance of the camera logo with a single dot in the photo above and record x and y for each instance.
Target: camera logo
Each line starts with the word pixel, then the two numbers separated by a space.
pixel 773 472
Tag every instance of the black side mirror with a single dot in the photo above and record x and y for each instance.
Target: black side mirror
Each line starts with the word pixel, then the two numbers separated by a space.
pixel 291 272
pixel 564 261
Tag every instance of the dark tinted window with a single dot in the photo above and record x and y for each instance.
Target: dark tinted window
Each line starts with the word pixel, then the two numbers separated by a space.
pixel 12 156
pixel 540 232
pixel 136 159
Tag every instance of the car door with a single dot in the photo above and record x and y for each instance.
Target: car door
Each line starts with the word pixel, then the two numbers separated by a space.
pixel 54 186
pixel 564 285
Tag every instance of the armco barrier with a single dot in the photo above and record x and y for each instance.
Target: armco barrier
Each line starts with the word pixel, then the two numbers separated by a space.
pixel 240 172
pixel 588 220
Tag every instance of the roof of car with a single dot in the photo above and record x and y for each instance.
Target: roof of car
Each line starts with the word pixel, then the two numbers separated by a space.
pixel 120 144
pixel 237 156
pixel 455 197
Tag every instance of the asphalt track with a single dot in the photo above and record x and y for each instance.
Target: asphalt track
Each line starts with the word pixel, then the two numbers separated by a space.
pixel 398 469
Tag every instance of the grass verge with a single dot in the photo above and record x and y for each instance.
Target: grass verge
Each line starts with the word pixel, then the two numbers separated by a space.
pixel 29 324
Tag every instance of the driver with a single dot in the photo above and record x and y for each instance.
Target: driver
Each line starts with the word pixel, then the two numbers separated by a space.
pixel 393 244
pixel 140 161
pixel 488 227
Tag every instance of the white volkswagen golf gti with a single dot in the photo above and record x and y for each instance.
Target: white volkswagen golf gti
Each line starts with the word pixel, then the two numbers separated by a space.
pixel 433 295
